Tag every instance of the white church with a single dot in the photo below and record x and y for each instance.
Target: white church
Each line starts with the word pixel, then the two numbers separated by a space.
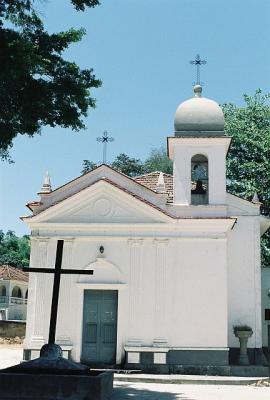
pixel 176 259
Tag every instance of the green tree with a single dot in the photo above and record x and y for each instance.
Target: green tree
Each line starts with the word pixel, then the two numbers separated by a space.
pixel 14 250
pixel 38 86
pixel 128 165
pixel 248 163
pixel 158 161
pixel 87 166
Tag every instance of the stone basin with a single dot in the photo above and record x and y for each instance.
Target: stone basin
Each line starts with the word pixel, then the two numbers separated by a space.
pixel 51 377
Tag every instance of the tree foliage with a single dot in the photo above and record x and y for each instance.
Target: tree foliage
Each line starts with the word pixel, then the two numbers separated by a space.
pixel 248 163
pixel 158 161
pixel 14 250
pixel 128 165
pixel 88 166
pixel 38 86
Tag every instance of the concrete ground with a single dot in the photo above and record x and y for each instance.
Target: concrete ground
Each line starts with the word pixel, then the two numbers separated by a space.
pixel 10 355
pixel 161 391
pixel 155 391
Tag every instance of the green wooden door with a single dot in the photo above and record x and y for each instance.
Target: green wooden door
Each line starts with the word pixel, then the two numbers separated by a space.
pixel 99 326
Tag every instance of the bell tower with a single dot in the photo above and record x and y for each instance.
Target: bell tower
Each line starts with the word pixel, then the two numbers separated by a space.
pixel 199 148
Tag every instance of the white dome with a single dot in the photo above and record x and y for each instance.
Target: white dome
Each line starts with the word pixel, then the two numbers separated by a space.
pixel 199 114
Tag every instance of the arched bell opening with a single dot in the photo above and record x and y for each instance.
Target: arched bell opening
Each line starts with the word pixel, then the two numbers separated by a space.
pixel 16 292
pixel 199 180
pixel 3 291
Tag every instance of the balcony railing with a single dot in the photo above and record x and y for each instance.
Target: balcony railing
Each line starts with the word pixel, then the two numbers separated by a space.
pixel 12 300
pixel 3 299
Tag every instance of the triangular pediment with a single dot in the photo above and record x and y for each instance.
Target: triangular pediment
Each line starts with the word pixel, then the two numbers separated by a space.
pixel 102 203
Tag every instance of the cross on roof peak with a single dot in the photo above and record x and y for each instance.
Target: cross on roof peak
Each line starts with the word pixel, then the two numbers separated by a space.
pixel 198 62
pixel 104 139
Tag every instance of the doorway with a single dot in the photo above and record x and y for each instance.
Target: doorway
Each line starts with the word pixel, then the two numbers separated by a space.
pixel 99 327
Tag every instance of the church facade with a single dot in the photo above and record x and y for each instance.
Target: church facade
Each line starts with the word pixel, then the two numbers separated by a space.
pixel 176 259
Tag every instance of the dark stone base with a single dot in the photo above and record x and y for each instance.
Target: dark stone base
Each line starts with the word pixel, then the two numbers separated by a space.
pixel 266 352
pixel 212 370
pixel 229 370
pixel 52 377
pixel 249 370
pixel 256 356
pixel 97 386
pixel 198 357
pixel 148 368
pixel 204 362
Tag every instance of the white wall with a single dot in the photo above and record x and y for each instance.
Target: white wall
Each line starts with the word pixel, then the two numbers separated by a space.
pixel 174 290
pixel 215 150
pixel 180 283
pixel 244 279
pixel 199 282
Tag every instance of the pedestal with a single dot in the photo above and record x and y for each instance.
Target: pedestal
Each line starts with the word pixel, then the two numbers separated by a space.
pixel 243 337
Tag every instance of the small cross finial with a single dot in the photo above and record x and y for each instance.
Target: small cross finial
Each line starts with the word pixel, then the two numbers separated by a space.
pixel 160 184
pixel 105 138
pixel 198 62
pixel 46 187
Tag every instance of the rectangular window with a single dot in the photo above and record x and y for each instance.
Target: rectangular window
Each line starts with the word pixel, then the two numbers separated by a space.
pixel 267 314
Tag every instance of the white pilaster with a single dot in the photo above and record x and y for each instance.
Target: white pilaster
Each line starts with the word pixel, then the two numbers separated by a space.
pixel 40 293
pixel 181 176
pixel 31 293
pixel 257 285
pixel 64 318
pixel 135 284
pixel 161 288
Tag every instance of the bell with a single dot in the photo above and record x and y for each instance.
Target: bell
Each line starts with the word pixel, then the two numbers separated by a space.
pixel 199 188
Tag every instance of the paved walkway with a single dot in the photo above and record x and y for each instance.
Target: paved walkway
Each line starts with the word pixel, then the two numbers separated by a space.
pixel 10 355
pixel 162 391
pixel 186 379
pixel 153 391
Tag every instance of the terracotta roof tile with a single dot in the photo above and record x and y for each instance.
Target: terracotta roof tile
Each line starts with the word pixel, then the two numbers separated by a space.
pixel 11 273
pixel 151 180
pixel 138 197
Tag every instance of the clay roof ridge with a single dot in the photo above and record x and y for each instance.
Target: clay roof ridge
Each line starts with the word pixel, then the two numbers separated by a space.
pixel 152 173
pixel 113 184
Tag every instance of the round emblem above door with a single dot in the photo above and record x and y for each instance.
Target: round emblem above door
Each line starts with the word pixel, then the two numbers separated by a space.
pixel 102 207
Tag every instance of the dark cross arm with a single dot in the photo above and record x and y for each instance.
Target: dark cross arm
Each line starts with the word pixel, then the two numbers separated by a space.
pixel 63 271
pixel 57 271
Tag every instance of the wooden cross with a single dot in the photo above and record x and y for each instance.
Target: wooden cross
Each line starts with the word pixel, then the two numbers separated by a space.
pixel 57 271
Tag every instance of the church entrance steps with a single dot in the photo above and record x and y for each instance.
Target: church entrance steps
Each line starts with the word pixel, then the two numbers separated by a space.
pixel 190 379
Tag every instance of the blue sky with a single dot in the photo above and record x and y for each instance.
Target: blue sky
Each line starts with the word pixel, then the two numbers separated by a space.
pixel 141 50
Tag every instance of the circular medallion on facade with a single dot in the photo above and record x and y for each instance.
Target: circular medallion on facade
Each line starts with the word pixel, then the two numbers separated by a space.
pixel 102 207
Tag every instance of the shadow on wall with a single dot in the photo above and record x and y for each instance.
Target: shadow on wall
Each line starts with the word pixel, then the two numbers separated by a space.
pixel 127 392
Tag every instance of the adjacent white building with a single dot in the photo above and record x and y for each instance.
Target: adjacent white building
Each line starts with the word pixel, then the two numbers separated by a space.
pixel 13 293
pixel 176 259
